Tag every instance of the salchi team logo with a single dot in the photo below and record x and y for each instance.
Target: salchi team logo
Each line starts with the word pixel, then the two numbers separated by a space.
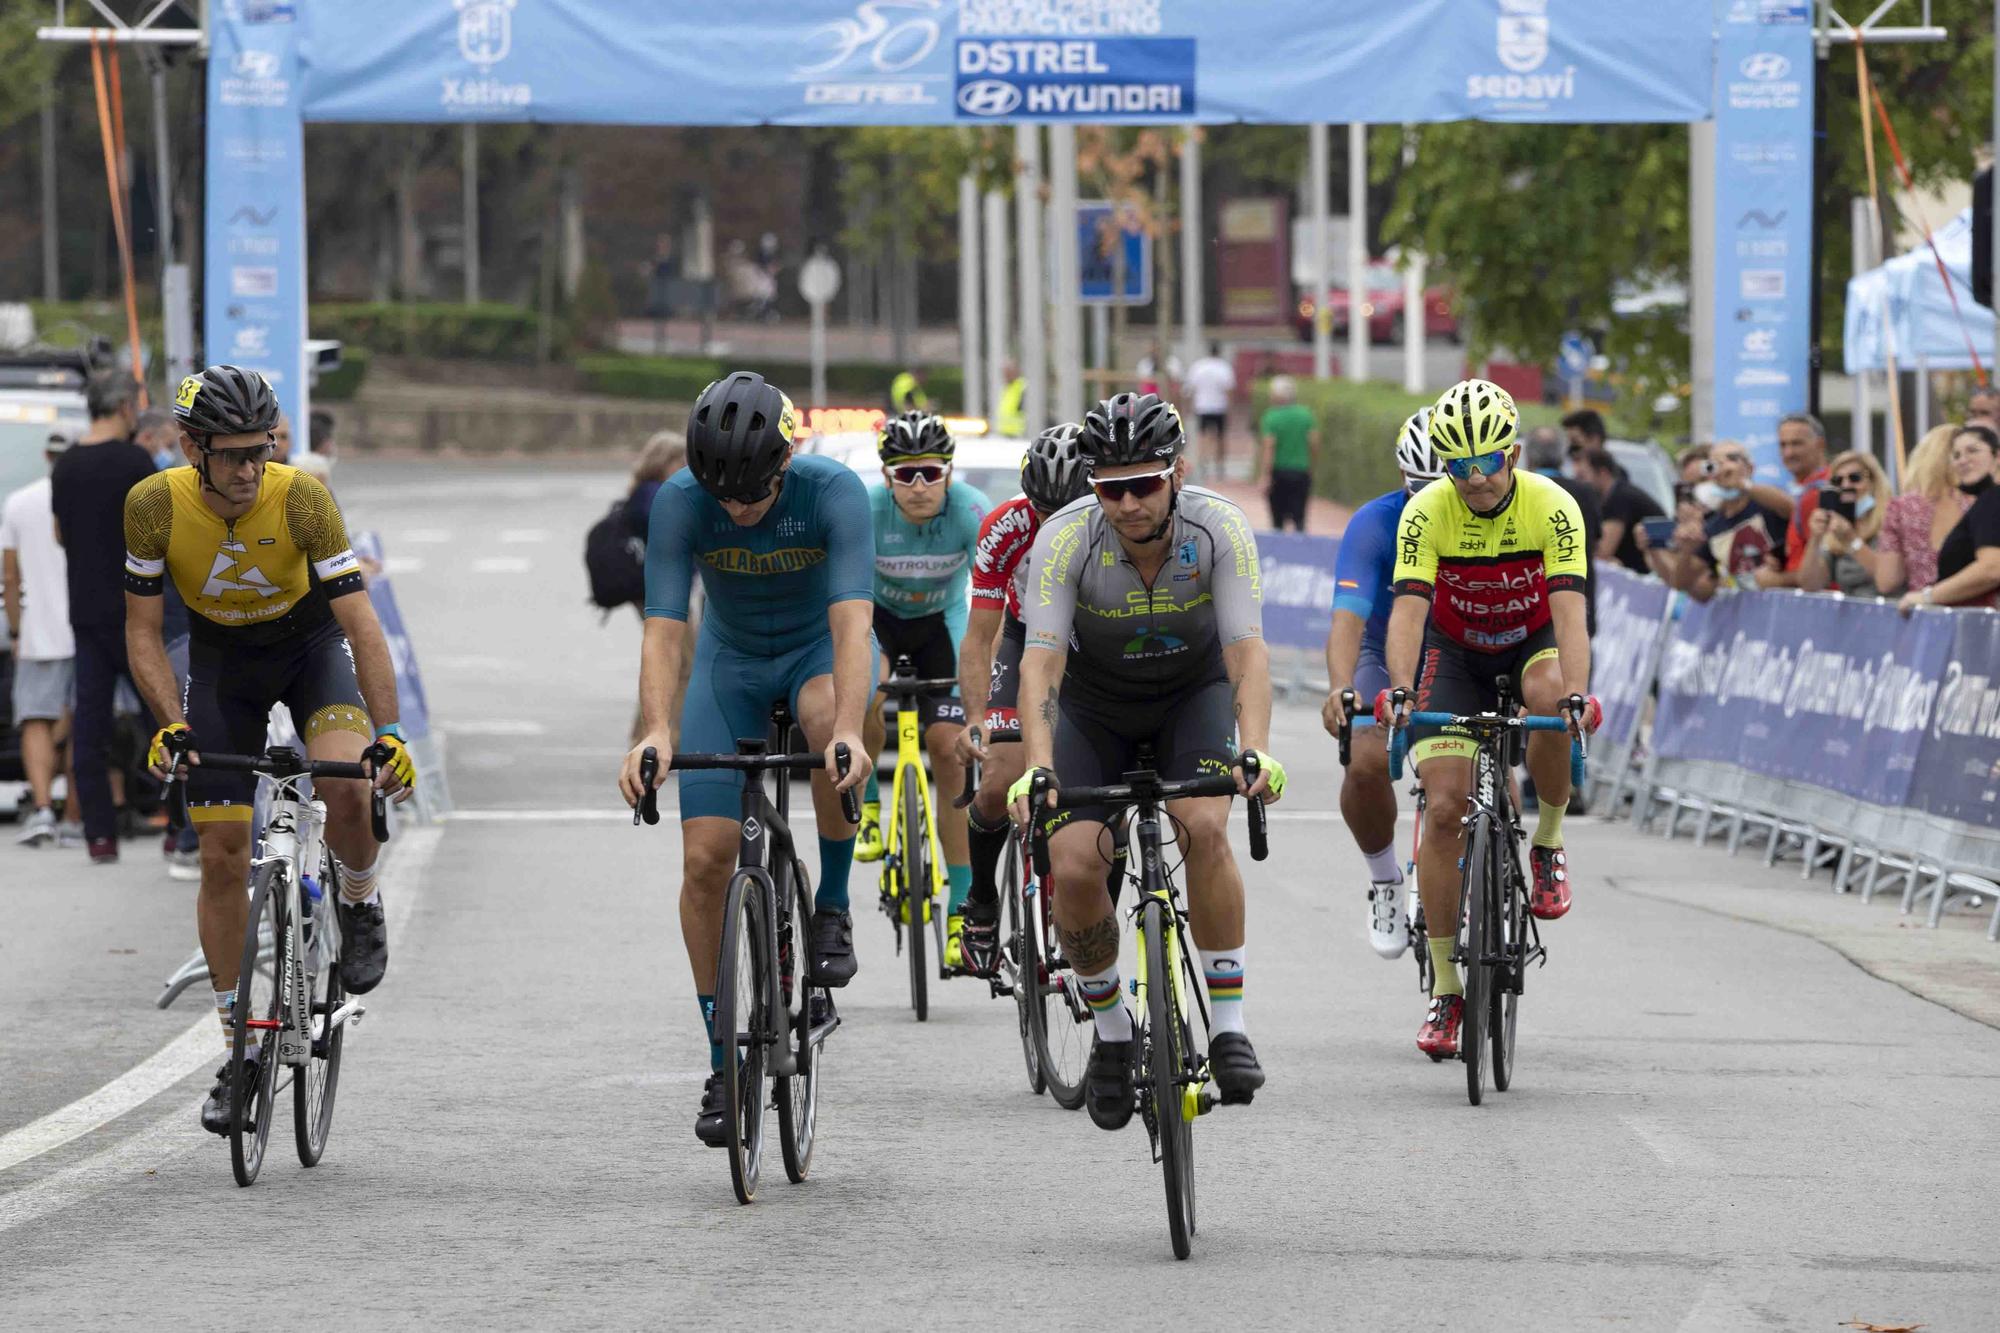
pixel 1524 34
pixel 485 31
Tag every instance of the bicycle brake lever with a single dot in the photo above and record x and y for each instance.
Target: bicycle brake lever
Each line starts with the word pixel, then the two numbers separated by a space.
pixel 648 808
pixel 850 800
pixel 1038 842
pixel 971 785
pixel 1260 845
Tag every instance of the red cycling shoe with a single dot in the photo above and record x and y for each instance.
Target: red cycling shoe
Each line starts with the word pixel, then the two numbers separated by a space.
pixel 1550 897
pixel 1438 1037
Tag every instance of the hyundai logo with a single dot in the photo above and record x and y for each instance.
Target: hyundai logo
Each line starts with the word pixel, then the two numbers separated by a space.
pixel 988 97
pixel 255 218
pixel 1759 218
pixel 1765 67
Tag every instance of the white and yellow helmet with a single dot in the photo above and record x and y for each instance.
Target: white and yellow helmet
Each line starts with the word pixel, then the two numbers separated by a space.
pixel 1474 417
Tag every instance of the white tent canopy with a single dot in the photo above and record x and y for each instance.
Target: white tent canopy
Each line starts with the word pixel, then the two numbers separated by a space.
pixel 1908 295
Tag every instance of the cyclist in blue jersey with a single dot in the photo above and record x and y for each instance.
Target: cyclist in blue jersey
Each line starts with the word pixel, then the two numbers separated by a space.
pixel 1354 660
pixel 926 533
pixel 783 547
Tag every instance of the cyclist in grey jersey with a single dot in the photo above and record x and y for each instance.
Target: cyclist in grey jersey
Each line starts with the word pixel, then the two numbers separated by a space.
pixel 1143 608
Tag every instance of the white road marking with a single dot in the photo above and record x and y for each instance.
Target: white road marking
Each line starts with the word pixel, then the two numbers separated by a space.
pixel 1674 1147
pixel 425 536
pixel 523 536
pixel 188 1053
pixel 502 564
pixel 401 564
pixel 496 726
pixel 168 1135
pixel 470 662
pixel 590 814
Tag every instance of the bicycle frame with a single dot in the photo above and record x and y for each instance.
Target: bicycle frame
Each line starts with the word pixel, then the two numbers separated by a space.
pixel 1159 909
pixel 294 837
pixel 910 769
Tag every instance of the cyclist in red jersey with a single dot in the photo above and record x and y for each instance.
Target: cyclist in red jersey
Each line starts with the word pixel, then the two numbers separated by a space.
pixel 1053 473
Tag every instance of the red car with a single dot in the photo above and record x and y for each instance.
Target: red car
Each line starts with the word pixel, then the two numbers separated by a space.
pixel 1383 308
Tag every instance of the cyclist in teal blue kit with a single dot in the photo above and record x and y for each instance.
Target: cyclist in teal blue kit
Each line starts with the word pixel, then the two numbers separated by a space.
pixel 782 543
pixel 926 534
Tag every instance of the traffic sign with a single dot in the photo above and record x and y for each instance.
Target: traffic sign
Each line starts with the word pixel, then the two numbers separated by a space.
pixel 1096 256
pixel 1574 356
pixel 819 279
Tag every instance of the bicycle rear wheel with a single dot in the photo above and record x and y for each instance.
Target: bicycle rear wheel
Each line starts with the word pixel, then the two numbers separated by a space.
pixel 258 1000
pixel 742 1021
pixel 1510 943
pixel 313 1085
pixel 1476 948
pixel 1063 1025
pixel 1022 956
pixel 914 857
pixel 1167 1046
pixel 798 1092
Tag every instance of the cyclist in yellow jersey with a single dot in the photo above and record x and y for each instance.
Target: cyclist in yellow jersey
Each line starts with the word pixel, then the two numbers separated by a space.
pixel 259 552
pixel 1489 581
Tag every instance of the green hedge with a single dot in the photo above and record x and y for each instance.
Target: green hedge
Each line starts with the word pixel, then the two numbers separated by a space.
pixel 1358 424
pixel 488 332
pixel 344 383
pixel 681 378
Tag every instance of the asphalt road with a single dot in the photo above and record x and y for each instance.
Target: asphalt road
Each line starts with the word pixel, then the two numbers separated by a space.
pixel 1715 1125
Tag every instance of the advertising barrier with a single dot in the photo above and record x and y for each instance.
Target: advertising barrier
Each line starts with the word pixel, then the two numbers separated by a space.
pixel 1630 612
pixel 1959 776
pixel 433 796
pixel 1298 588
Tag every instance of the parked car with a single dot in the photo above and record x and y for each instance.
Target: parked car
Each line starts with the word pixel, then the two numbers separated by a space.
pixel 1382 308
pixel 1647 466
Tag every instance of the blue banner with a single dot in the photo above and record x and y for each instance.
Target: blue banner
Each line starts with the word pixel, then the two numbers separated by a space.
pixel 941 62
pixel 1833 691
pixel 416 710
pixel 1959 777
pixel 1630 609
pixel 1297 572
pixel 1097 269
pixel 255 255
pixel 1763 221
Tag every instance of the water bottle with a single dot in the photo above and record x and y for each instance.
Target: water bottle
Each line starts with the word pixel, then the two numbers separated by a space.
pixel 311 922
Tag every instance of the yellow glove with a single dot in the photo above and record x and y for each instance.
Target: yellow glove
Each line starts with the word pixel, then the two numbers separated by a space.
pixel 157 757
pixel 1275 772
pixel 398 761
pixel 1023 785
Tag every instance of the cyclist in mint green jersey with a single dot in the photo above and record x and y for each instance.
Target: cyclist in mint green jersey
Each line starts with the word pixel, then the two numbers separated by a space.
pixel 926 529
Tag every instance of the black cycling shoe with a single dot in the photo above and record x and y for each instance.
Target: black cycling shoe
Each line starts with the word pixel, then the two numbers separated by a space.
pixel 979 940
pixel 1107 1082
pixel 1234 1064
pixel 711 1123
pixel 215 1110
pixel 833 948
pixel 364 946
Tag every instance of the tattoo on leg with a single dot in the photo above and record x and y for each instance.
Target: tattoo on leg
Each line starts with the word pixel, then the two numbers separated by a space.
pixel 1093 947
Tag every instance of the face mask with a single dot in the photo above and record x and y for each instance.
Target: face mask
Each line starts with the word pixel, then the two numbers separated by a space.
pixel 1710 495
pixel 1863 505
pixel 1569 470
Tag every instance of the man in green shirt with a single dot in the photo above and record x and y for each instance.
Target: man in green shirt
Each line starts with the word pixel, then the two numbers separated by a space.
pixel 1289 436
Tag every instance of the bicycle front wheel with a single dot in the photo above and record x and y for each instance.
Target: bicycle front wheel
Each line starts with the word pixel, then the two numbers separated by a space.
pixel 1062 1024
pixel 743 1024
pixel 259 1010
pixel 1167 1046
pixel 798 1092
pixel 1510 944
pixel 915 861
pixel 1022 957
pixel 313 1086
pixel 1481 870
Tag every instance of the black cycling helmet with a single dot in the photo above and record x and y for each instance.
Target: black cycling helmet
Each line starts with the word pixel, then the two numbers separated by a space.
pixel 1054 470
pixel 738 435
pixel 915 435
pixel 226 400
pixel 1132 428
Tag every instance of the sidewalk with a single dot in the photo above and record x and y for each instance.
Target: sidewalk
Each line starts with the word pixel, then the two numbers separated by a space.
pixel 1954 966
pixel 1324 518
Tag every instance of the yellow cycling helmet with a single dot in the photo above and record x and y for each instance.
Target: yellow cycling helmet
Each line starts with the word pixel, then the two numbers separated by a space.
pixel 1474 417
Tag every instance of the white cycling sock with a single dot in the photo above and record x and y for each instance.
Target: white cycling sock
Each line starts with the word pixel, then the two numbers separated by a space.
pixel 1223 970
pixel 358 886
pixel 1384 867
pixel 1106 998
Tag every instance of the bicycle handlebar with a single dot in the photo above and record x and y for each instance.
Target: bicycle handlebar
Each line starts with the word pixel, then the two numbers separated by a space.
pixel 648 809
pixel 914 686
pixel 1486 724
pixel 1147 786
pixel 283 762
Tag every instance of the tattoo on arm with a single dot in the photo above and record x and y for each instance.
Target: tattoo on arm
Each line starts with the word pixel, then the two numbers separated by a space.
pixel 1236 699
pixel 1049 707
pixel 1093 948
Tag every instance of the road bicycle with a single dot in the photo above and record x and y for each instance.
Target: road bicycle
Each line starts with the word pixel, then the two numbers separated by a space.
pixel 1498 939
pixel 288 988
pixel 913 876
pixel 1173 1063
pixel 776 1016
pixel 1055 1022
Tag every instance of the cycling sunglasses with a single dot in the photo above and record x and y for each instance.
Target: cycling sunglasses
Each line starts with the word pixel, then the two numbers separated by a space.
pixel 236 458
pixel 1478 465
pixel 1139 487
pixel 910 474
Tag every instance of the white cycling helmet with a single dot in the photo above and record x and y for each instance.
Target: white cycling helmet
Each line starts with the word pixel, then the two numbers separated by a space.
pixel 1414 455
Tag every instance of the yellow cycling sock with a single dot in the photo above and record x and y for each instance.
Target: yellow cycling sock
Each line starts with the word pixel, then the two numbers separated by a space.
pixel 1549 824
pixel 1446 981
